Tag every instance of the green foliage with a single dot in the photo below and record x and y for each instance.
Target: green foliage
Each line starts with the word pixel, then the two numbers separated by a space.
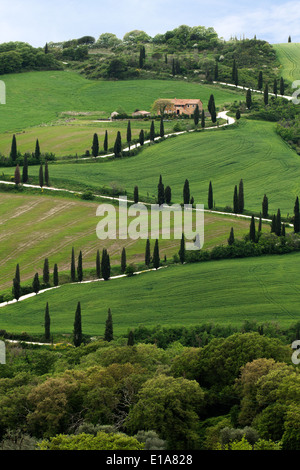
pixel 102 441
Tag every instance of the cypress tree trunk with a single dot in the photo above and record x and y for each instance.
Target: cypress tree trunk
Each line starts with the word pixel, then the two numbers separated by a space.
pixel 95 146
pixel 147 253
pixel 47 323
pixel 231 237
pixel 77 335
pixel 55 276
pixel 109 335
pixel 79 268
pixel 296 216
pixel 73 269
pixel 182 250
pixel 156 259
pixel 123 261
pixel 98 265
pixel 210 196
pixel 46 275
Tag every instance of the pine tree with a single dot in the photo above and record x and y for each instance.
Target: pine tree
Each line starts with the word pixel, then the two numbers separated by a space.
pixel 16 289
pixel 186 192
pixel 37 152
pixel 168 195
pixel 231 237
pixel 265 207
pixel 79 268
pixel 136 194
pixel 152 131
pixel 36 283
pixel 248 99
pixel 13 151
pixel 289 39
pixel 105 144
pixel 275 87
pixel 296 216
pixel 160 192
pixel 46 49
pixel 278 223
pixel 252 229
pixel 266 94
pixel 147 253
pixel 46 275
pixel 123 260
pixel 17 177
pixel 182 250
pixel 128 135
pixel 77 333
pixel 73 268
pixel 260 81
pixel 196 116
pixel 241 197
pixel 47 323
pixel 162 129
pixel 281 87
pixel 98 265
pixel 46 174
pixel 25 170
pixel 156 259
pixel 118 145
pixel 41 176
pixel 141 137
pixel 109 335
pixel 210 196
pixel 235 200
pixel 55 276
pixel 105 265
pixel 130 341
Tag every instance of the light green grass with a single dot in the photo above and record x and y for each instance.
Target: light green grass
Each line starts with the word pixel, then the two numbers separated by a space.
pixel 289 57
pixel 226 292
pixel 252 151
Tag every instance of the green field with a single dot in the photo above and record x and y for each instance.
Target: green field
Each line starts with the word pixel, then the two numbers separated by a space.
pixel 225 292
pixel 289 57
pixel 252 151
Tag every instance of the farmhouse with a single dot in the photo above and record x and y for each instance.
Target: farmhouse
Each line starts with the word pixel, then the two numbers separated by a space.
pixel 181 106
pixel 141 114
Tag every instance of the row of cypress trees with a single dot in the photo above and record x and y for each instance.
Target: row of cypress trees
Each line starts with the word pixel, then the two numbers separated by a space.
pixel 44 178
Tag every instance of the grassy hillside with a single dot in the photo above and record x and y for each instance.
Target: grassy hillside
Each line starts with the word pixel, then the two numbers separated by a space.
pixel 252 151
pixel 263 289
pixel 289 57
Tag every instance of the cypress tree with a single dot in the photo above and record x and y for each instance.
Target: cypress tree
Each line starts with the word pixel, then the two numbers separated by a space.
pixel 108 335
pixel 41 176
pixel 46 275
pixel 123 260
pixel 259 223
pixel 186 192
pixel 231 237
pixel 46 174
pixel 278 223
pixel 210 196
pixel 17 275
pixel 196 116
pixel 46 49
pixel 182 250
pixel 77 333
pixel 79 268
pixel 281 87
pixel 118 145
pixel 212 108
pixel 241 197
pixel 95 146
pixel 203 119
pixel 17 177
pixel 13 151
pixel 252 229
pixel 260 81
pixel 162 129
pixel 37 151
pixel 141 137
pixel 36 283
pixel 55 275
pixel 105 144
pixel 248 99
pixel 273 224
pixel 160 192
pixel 128 135
pixel 238 115
pixel 73 269
pixel 152 131
pixel 235 200
pixel 283 230
pixel 47 323
pixel 25 170
pixel 130 341
pixel 98 265
pixel 210 102
pixel 156 259
pixel 289 39
pixel 265 207
pixel 296 216
pixel 16 289
pixel 275 87
pixel 168 195
pixel 266 94
pixel 147 253
pixel 136 194
pixel 105 265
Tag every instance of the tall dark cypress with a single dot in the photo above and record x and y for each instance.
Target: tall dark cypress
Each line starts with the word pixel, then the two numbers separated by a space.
pixel 47 323
pixel 260 81
pixel 266 94
pixel 142 137
pixel 160 192
pixel 252 229
pixel 16 289
pixel 260 224
pixel 41 176
pixel 105 265
pixel 46 274
pixel 105 144
pixel 182 250
pixel 296 216
pixel 273 224
pixel 156 258
pixel 152 131
pixel 196 116
pixel 241 197
pixel 47 181
pixel 136 194
pixel 17 275
pixel 36 283
pixel 248 99
pixel 109 334
pixel 73 267
pixel 128 135
pixel 212 108
pixel 278 223
pixel 55 276
pixel 275 87
pixel 281 87
pixel 235 200
pixel 80 267
pixel 77 332
pixel 162 129
pixel 17 177
pixel 98 265
pixel 118 145
pixel 203 119
pixel 123 260
pixel 37 151
pixel 265 207
pixel 147 253
pixel 95 146
pixel 210 196
pixel 231 237
pixel 168 195
pixel 25 170
pixel 186 192
pixel 13 151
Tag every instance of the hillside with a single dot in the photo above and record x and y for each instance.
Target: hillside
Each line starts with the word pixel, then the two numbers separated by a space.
pixel 289 57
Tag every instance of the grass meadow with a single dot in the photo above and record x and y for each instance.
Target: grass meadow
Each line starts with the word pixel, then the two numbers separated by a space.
pixel 289 58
